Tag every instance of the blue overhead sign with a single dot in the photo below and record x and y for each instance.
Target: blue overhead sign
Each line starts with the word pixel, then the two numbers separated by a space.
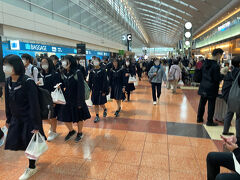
pixel 41 48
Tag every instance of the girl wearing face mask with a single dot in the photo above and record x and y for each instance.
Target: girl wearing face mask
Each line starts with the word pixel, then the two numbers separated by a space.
pixel 156 76
pixel 118 84
pixel 98 83
pixel 22 109
pixel 75 110
pixel 50 79
pixel 130 70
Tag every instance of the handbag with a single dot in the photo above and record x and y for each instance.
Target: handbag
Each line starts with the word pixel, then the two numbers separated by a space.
pixel 132 79
pixel 58 97
pixel 136 82
pixel 180 83
pixel 36 147
pixel 4 130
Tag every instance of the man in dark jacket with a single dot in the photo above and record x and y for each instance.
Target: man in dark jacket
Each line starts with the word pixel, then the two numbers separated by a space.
pixel 209 86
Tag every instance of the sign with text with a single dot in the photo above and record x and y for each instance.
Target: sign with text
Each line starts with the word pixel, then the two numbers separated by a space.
pixel 16 45
pixel 81 48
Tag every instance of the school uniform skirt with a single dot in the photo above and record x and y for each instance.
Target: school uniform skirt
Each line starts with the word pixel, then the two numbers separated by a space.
pixel 70 113
pixel 117 93
pixel 130 87
pixel 98 99
pixel 20 134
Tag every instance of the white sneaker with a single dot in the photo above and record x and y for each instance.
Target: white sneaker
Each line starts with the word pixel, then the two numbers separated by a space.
pixel 4 130
pixel 28 173
pixel 154 102
pixel 52 136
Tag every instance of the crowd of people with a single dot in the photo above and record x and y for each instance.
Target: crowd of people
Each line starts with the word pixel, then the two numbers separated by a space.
pixel 114 79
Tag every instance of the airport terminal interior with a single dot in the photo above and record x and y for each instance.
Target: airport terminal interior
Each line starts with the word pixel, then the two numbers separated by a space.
pixel 120 89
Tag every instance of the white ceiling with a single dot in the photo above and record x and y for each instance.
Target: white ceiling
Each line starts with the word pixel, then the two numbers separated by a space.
pixel 163 20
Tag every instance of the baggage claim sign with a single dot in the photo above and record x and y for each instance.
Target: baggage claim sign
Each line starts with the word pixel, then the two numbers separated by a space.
pixel 16 45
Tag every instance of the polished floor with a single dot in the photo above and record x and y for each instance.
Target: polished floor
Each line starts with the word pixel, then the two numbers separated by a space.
pixel 146 142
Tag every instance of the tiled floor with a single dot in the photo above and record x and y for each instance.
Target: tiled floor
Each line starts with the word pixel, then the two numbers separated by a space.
pixel 146 142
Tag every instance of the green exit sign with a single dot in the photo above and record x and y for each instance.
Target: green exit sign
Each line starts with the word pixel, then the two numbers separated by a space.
pixel 121 52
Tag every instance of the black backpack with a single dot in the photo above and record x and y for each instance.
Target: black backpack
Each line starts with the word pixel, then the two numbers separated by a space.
pixel 45 102
pixel 197 77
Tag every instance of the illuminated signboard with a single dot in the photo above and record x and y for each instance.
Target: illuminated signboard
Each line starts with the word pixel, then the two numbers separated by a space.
pixel 224 26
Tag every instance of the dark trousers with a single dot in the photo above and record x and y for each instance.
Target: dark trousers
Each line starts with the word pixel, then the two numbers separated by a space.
pixel 211 108
pixel 217 159
pixel 227 123
pixel 159 90
pixel 1 133
pixel 128 95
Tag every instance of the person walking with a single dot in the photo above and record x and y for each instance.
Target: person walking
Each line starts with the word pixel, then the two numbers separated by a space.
pixel 175 74
pixel 118 84
pixel 98 83
pixel 209 86
pixel 140 69
pixel 130 71
pixel 22 109
pixel 156 76
pixel 30 70
pixel 75 110
pixel 228 81
pixel 50 80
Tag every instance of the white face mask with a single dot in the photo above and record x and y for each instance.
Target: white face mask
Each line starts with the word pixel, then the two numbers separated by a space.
pixel 64 64
pixel 24 62
pixel 8 70
pixel 157 63
pixel 96 63
pixel 127 63
pixel 45 66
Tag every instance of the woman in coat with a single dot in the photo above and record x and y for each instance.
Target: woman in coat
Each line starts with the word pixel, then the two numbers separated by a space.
pixel 75 110
pixel 22 109
pixel 176 74
pixel 130 71
pixel 156 76
pixel 50 79
pixel 118 83
pixel 98 83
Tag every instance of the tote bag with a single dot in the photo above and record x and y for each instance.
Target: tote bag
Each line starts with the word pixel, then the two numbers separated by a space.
pixel 58 97
pixel 36 147
pixel 132 79
pixel 234 97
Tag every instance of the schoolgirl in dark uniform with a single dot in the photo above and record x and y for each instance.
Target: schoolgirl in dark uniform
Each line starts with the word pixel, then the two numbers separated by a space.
pixel 118 83
pixel 130 70
pixel 22 109
pixel 75 110
pixel 50 79
pixel 98 83
pixel 81 67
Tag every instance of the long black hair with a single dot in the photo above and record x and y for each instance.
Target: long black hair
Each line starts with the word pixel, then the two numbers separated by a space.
pixel 51 67
pixel 72 60
pixel 117 63
pixel 16 62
